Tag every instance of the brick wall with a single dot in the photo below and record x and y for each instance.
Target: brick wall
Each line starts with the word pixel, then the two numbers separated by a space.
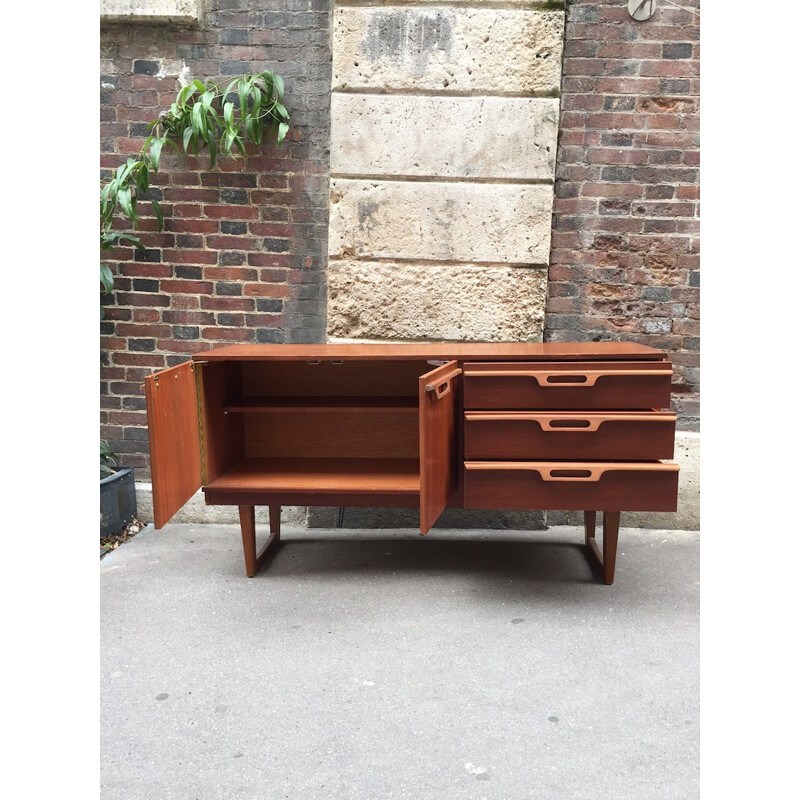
pixel 242 257
pixel 625 258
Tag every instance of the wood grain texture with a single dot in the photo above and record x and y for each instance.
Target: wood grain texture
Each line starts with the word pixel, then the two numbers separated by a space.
pixel 342 433
pixel 604 561
pixel 297 378
pixel 571 486
pixel 538 436
pixel 438 446
pixel 174 434
pixel 591 386
pixel 222 435
pixel 321 404
pixel 331 476
pixel 254 559
pixel 445 351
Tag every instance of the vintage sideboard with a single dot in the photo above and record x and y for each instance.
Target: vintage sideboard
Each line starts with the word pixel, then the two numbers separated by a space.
pixel 568 426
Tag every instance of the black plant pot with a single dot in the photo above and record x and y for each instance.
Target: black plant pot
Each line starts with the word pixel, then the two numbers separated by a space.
pixel 117 501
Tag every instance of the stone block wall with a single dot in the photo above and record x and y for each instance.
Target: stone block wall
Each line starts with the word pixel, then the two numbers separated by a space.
pixel 244 251
pixel 444 122
pixel 625 252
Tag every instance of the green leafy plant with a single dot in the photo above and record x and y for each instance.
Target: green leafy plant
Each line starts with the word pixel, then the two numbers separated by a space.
pixel 108 460
pixel 202 116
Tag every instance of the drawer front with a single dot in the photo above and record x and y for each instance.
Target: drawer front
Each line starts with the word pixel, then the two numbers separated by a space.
pixel 577 486
pixel 566 386
pixel 539 436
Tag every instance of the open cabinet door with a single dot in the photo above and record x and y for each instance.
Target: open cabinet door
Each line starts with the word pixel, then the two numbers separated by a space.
pixel 174 439
pixel 438 448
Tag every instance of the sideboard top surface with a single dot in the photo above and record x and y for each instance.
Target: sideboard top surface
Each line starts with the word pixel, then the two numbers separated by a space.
pixel 456 351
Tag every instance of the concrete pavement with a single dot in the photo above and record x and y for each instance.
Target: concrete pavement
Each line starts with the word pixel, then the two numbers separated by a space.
pixel 379 664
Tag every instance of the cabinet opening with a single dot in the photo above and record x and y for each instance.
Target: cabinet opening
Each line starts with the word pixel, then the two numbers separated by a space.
pixel 297 426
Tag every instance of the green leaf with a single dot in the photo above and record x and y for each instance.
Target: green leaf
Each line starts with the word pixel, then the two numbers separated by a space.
pixel 159 214
pixel 282 112
pixel 283 129
pixel 124 197
pixel 108 241
pixel 278 83
pixel 228 113
pixel 106 278
pixel 212 149
pixel 155 152
pixel 199 121
pixel 183 95
pixel 143 178
pixel 244 91
pixel 207 98
pixel 187 136
pixel 228 90
pixel 199 85
pixel 256 101
pixel 230 138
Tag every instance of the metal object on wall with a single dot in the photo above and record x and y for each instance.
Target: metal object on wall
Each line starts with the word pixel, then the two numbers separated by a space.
pixel 641 10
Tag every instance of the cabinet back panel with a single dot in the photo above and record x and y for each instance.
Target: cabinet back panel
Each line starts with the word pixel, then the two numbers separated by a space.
pixel 348 379
pixel 222 439
pixel 337 434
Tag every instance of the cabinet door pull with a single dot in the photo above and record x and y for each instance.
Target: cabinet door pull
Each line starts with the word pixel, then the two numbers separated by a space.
pixel 442 388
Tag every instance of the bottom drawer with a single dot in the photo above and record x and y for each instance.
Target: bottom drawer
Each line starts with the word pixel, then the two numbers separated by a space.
pixel 571 486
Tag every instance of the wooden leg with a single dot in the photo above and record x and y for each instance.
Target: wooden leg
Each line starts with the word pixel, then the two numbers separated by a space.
pixel 275 520
pixel 589 522
pixel 247 520
pixel 606 560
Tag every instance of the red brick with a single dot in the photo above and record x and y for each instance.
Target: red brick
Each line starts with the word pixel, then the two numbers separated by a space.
pixel 231 211
pixel 228 334
pixel 192 225
pixel 266 289
pixel 189 257
pixel 230 242
pixel 140 359
pixel 148 330
pixel 230 273
pixel 186 287
pixel 215 303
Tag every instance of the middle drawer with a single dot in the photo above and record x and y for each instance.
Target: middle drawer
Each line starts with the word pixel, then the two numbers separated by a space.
pixel 538 436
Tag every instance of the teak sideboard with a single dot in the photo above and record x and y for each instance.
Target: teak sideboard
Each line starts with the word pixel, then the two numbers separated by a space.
pixel 578 426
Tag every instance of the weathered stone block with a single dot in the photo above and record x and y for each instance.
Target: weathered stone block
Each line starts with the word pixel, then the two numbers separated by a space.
pixel 468 137
pixel 187 11
pixel 455 49
pixel 429 220
pixel 368 300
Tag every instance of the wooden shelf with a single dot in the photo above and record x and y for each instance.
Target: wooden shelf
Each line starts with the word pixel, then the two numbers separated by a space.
pixel 322 475
pixel 308 403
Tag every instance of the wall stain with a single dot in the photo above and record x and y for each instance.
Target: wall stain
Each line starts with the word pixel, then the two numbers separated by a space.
pixel 402 36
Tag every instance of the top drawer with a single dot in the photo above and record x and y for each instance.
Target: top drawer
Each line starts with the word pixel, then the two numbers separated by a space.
pixel 620 385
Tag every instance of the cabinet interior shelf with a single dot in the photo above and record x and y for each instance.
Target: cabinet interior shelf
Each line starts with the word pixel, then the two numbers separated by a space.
pixel 309 403
pixel 394 475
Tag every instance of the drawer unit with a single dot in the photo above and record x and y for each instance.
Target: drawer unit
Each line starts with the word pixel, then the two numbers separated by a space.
pixel 606 386
pixel 539 436
pixel 571 486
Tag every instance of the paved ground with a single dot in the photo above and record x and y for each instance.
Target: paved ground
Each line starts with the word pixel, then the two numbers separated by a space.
pixel 376 664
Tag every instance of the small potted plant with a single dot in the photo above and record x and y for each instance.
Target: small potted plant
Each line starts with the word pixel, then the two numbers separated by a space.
pixel 117 493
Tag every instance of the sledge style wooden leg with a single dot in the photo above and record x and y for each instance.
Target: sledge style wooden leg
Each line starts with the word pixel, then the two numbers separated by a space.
pixel 247 519
pixel 608 558
pixel 589 521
